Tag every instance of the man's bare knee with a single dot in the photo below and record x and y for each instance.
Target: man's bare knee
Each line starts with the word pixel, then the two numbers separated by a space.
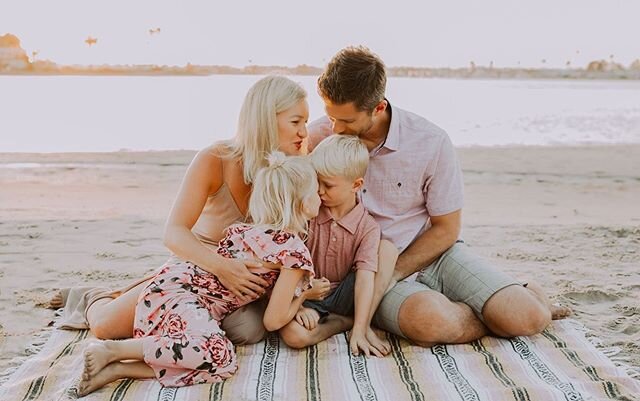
pixel 515 311
pixel 244 326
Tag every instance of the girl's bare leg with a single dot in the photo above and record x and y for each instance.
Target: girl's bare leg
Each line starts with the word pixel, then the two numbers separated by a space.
pixel 112 372
pixel 112 318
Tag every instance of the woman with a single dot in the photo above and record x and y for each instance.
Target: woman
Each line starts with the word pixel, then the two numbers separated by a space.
pixel 177 334
pixel 213 195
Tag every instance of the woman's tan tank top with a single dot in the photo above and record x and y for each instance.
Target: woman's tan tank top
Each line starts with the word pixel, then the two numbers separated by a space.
pixel 220 211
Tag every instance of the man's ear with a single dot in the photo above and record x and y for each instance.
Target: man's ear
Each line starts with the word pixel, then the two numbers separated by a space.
pixel 380 108
pixel 357 184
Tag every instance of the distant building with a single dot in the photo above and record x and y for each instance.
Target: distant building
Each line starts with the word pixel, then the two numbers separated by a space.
pixel 12 56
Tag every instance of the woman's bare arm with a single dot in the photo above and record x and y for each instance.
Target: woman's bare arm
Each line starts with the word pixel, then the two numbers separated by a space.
pixel 204 177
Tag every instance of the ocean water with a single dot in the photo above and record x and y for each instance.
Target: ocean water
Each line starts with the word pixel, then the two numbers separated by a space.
pixel 93 113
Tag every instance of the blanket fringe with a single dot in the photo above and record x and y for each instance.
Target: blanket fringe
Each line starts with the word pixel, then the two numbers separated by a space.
pixel 35 345
pixel 612 352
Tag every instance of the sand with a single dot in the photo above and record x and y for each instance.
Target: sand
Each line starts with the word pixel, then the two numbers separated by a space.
pixel 568 217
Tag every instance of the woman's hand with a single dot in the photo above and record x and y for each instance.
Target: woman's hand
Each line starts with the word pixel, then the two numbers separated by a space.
pixel 319 290
pixel 236 277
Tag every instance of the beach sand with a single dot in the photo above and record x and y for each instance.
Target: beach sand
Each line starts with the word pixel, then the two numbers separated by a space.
pixel 568 217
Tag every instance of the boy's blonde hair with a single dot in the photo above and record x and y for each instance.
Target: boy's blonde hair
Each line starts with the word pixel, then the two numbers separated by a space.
pixel 279 191
pixel 341 156
pixel 257 134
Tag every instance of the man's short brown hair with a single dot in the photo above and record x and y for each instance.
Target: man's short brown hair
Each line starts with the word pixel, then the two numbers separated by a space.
pixel 355 75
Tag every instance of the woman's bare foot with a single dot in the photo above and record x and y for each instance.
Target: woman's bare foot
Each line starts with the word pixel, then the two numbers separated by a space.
pixel 97 355
pixel 381 345
pixel 559 312
pixel 59 299
pixel 108 374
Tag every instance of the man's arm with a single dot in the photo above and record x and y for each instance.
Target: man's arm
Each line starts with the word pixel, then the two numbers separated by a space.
pixel 428 247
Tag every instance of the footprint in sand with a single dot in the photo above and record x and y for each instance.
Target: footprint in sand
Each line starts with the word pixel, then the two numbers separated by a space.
pixel 591 296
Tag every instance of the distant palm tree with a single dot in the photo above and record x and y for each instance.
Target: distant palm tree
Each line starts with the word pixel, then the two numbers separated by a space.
pixel 33 55
pixel 91 41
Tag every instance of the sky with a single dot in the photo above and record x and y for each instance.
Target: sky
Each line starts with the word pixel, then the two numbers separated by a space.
pixel 451 33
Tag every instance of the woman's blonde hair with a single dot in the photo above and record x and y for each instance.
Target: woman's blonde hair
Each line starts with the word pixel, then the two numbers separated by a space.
pixel 341 156
pixel 279 191
pixel 257 134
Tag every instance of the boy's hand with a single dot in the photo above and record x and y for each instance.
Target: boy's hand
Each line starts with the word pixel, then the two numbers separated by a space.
pixel 308 318
pixel 358 342
pixel 319 290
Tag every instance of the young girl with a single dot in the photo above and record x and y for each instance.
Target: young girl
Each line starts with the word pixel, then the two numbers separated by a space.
pixel 177 335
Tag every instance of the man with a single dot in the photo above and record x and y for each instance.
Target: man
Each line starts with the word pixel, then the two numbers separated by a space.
pixel 414 190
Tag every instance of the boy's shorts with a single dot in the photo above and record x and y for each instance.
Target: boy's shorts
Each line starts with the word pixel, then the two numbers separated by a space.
pixel 340 301
pixel 458 274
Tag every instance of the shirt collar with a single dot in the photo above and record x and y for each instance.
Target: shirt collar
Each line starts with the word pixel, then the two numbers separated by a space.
pixel 349 221
pixel 393 136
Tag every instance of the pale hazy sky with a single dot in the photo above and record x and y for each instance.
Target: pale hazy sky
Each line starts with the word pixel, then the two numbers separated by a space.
pixel 290 32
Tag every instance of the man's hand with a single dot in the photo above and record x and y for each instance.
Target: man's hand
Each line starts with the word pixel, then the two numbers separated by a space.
pixel 236 277
pixel 308 318
pixel 319 290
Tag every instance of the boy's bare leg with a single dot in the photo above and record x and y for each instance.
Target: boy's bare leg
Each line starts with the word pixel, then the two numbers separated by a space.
pixel 113 372
pixel 387 257
pixel 297 336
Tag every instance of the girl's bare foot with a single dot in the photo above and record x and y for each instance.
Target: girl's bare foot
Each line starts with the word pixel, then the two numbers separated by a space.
pixel 381 345
pixel 97 355
pixel 559 312
pixel 105 376
pixel 59 299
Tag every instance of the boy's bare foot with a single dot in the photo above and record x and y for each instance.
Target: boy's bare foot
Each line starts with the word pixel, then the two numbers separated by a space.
pixel 308 317
pixel 559 312
pixel 381 345
pixel 96 357
pixel 59 299
pixel 105 376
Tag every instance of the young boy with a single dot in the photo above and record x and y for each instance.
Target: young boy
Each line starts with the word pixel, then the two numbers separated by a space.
pixel 345 244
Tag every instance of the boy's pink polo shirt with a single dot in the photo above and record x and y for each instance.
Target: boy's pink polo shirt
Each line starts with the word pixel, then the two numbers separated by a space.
pixel 414 175
pixel 338 247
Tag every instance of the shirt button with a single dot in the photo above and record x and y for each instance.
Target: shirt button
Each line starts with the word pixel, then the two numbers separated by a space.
pixel 334 239
pixel 364 191
pixel 334 224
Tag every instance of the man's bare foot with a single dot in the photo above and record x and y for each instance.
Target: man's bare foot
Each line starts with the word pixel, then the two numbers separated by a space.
pixel 105 376
pixel 381 345
pixel 59 299
pixel 559 312
pixel 97 355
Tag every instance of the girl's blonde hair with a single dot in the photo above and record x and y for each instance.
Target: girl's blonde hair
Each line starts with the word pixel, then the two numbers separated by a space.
pixel 257 134
pixel 279 191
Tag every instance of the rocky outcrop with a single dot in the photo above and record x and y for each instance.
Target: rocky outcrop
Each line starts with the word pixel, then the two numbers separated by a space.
pixel 12 55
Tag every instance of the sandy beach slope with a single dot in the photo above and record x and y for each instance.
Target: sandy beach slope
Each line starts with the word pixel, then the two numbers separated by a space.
pixel 568 217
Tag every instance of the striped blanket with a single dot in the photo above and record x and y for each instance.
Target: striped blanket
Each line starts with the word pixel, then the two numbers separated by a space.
pixel 559 364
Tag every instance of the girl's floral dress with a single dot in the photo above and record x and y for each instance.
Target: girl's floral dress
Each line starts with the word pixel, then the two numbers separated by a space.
pixel 179 313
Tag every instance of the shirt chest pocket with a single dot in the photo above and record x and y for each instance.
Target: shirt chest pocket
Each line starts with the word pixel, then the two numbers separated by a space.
pixel 400 194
